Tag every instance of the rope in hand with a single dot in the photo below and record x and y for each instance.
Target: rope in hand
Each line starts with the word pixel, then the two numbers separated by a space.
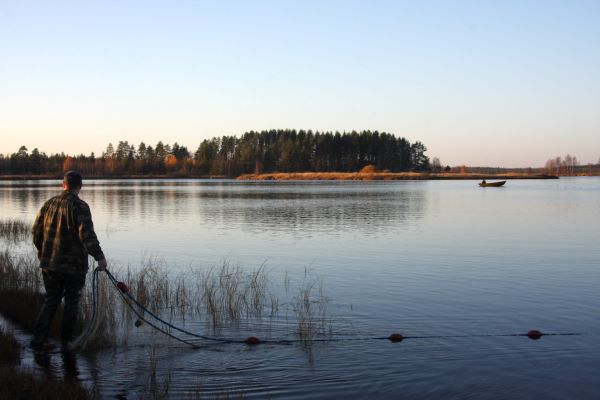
pixel 136 306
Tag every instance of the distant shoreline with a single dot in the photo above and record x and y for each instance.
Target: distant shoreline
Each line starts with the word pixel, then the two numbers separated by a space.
pixel 103 177
pixel 317 176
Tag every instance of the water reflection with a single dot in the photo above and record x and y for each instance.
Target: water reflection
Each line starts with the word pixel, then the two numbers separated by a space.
pixel 253 207
pixel 420 258
pixel 308 211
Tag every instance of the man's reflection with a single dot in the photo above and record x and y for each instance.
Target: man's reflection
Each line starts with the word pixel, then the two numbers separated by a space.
pixel 68 369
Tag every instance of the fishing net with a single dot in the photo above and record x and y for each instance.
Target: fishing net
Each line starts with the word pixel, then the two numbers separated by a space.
pixel 97 315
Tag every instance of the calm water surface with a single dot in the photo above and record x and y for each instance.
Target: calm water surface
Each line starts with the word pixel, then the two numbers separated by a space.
pixel 423 258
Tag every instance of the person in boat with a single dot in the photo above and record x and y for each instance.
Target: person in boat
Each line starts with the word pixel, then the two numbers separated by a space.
pixel 63 234
pixel 483 182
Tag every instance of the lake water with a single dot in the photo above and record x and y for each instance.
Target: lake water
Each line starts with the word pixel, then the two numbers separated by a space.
pixel 422 258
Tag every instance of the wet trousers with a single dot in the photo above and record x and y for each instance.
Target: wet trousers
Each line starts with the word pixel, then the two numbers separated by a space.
pixel 57 286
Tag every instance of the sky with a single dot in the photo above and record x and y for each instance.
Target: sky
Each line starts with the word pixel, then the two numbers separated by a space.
pixel 480 83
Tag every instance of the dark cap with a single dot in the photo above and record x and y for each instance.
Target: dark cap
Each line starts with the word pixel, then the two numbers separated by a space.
pixel 73 179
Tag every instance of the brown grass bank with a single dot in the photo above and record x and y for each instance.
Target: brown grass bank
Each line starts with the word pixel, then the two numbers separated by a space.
pixel 386 176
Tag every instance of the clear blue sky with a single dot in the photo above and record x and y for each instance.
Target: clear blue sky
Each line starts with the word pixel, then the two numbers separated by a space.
pixel 494 83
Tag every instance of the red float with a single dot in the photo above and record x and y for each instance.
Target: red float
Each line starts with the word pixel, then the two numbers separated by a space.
pixel 252 340
pixel 396 337
pixel 122 287
pixel 534 334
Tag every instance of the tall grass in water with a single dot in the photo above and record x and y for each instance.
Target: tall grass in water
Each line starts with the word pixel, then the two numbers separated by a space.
pixel 222 295
pixel 20 290
pixel 218 296
pixel 159 385
pixel 157 289
pixel 310 307
pixel 14 230
pixel 228 294
pixel 19 272
pixel 155 389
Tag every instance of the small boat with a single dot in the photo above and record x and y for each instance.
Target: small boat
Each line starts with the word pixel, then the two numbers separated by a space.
pixel 491 184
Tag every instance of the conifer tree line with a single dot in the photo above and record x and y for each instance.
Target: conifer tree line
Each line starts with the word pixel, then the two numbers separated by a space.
pixel 254 152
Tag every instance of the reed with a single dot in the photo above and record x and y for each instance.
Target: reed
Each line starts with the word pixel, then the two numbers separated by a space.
pixel 310 307
pixel 19 272
pixel 20 291
pixel 14 230
pixel 155 389
pixel 160 383
pixel 227 294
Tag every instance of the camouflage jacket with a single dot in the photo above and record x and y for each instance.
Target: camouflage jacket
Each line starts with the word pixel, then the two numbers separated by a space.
pixel 63 234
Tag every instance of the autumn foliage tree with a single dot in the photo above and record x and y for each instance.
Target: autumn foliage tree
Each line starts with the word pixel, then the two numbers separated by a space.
pixel 562 166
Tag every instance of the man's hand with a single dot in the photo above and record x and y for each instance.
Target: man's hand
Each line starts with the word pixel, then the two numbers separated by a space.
pixel 102 264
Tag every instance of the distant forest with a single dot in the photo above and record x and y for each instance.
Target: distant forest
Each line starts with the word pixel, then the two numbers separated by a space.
pixel 254 152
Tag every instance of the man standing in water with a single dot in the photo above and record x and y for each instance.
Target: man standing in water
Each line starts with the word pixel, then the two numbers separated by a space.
pixel 63 234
